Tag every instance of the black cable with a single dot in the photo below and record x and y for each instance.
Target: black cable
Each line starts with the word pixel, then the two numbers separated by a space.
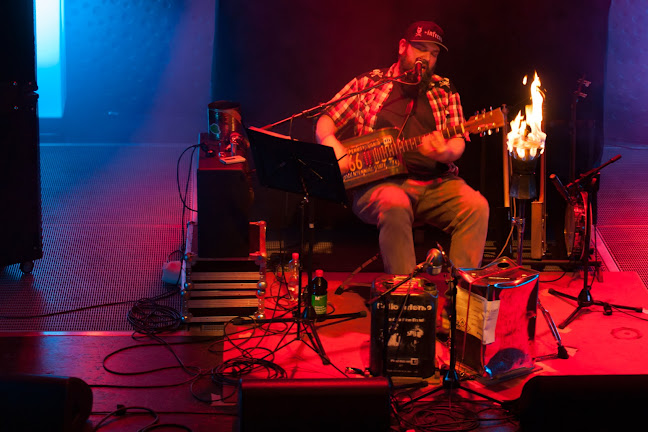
pixel 554 280
pixel 67 311
pixel 448 416
pixel 83 308
pixel 148 317
pixel 226 337
pixel 629 314
pixel 121 410
pixel 166 426
pixel 344 283
pixel 183 198
pixel 161 343
pixel 266 331
pixel 231 371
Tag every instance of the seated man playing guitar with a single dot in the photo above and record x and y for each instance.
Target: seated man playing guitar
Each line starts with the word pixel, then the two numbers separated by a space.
pixel 394 191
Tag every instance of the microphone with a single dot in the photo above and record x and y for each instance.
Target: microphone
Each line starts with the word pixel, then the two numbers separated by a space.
pixel 418 69
pixel 434 261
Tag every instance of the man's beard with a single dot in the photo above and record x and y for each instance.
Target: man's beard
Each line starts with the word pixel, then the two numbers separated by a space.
pixel 426 73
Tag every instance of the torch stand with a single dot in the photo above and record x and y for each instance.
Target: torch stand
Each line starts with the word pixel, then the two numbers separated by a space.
pixel 523 189
pixel 518 221
pixel 584 188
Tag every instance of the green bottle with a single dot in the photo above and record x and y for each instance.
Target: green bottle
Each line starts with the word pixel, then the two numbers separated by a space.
pixel 319 287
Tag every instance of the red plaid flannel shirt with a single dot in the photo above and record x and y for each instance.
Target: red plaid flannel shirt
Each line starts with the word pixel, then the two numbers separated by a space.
pixel 363 109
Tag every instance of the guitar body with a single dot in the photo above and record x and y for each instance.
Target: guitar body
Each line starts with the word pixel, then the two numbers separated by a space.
pixel 378 155
pixel 373 157
pixel 577 216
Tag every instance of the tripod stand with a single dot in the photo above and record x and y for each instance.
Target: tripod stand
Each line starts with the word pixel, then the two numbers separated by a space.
pixel 451 377
pixel 312 171
pixel 578 195
pixel 519 222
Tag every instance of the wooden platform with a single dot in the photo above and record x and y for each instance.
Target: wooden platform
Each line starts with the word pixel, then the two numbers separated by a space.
pixel 597 345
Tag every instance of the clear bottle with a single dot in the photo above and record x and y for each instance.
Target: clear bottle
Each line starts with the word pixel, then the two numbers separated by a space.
pixel 319 289
pixel 293 277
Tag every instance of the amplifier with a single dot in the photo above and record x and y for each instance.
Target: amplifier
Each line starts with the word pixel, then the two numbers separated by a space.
pixel 406 319
pixel 496 317
pixel 224 201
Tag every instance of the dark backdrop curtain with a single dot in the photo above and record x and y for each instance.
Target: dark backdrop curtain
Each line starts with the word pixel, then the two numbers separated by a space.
pixel 278 58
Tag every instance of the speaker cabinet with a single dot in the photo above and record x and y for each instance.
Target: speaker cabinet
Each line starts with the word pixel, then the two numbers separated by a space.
pixel 224 203
pixel 17 44
pixel 20 189
pixel 315 405
pixel 44 403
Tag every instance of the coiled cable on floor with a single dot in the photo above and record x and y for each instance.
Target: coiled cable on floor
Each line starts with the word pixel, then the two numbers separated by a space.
pixel 230 371
pixel 149 317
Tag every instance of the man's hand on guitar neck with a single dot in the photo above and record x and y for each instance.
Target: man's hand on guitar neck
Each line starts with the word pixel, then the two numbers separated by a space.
pixel 436 147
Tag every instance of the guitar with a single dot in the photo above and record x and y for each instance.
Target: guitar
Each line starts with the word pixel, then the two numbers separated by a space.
pixel 378 155
pixel 577 216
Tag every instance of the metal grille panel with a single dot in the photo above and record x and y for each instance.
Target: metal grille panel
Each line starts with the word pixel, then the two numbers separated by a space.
pixel 111 217
pixel 623 210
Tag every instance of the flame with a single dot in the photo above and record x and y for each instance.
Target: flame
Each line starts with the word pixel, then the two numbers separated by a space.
pixel 526 136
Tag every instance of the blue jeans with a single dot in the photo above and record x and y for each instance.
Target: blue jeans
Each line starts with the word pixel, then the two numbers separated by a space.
pixel 448 203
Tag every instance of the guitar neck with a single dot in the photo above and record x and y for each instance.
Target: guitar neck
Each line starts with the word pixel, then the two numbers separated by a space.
pixel 412 144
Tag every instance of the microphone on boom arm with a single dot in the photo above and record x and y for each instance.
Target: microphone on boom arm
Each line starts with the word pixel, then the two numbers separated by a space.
pixel 418 69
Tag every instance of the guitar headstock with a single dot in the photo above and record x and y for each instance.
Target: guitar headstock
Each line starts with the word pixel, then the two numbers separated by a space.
pixel 485 121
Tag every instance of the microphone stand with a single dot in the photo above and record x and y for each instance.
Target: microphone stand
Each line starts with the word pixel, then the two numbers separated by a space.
pixel 585 184
pixel 324 105
pixel 451 377
pixel 307 317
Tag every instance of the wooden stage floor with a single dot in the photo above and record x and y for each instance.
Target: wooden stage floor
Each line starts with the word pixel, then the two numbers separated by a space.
pixel 179 376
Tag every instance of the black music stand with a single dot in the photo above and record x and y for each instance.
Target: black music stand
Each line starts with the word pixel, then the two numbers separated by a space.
pixel 312 171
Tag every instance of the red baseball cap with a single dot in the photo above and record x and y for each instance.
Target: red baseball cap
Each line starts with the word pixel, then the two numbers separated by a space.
pixel 425 31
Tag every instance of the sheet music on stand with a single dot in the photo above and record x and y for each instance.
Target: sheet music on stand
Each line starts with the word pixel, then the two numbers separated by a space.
pixel 296 166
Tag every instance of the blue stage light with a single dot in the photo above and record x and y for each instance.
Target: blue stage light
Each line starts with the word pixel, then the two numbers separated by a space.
pixel 50 58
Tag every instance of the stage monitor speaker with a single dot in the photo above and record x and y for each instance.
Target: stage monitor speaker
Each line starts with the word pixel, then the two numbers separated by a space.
pixel 314 405
pixel 44 403
pixel 583 403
